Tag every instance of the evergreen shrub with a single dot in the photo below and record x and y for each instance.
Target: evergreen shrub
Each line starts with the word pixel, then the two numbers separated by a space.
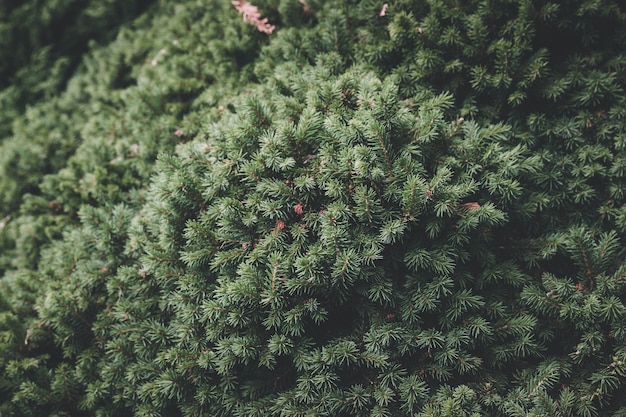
pixel 411 209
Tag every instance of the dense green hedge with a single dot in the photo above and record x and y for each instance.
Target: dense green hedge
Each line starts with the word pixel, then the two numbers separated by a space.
pixel 411 209
pixel 41 43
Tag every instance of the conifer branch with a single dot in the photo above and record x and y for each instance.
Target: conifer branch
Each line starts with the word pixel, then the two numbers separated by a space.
pixel 385 153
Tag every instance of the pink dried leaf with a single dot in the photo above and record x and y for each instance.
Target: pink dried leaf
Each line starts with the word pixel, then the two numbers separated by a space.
pixel 383 10
pixel 251 14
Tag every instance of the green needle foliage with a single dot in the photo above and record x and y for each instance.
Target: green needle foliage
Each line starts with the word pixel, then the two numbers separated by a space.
pixel 412 209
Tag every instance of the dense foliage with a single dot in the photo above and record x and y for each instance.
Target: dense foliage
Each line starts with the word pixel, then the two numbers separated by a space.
pixel 412 209
pixel 41 44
